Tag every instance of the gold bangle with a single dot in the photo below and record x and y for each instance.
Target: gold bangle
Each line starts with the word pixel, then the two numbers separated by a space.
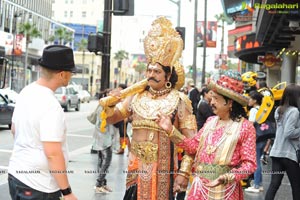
pixel 124 112
pixel 172 132
pixel 184 175
pixel 228 178
pixel 175 136
pixel 186 164
pixel 179 171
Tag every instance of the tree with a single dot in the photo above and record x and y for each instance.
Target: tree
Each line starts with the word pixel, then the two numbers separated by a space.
pixel 29 31
pixel 62 35
pixel 120 56
pixel 82 46
pixel 221 17
pixel 140 67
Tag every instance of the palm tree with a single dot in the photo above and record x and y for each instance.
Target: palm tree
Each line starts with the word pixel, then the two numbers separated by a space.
pixel 140 67
pixel 29 31
pixel 221 17
pixel 120 56
pixel 82 46
pixel 62 35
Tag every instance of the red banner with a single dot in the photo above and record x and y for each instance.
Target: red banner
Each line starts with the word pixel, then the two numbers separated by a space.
pixel 211 33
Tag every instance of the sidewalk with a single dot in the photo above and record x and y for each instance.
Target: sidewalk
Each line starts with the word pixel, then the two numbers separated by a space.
pixel 83 174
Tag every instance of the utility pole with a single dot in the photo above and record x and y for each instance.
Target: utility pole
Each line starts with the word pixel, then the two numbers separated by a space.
pixel 105 67
pixel 194 67
pixel 204 42
pixel 178 3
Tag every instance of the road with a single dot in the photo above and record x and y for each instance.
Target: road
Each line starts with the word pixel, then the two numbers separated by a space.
pixel 83 164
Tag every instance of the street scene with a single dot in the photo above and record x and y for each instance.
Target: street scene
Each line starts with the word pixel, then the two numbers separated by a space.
pixel 108 99
pixel 83 165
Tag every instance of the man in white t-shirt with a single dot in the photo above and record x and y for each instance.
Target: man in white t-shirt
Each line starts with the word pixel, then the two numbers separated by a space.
pixel 38 165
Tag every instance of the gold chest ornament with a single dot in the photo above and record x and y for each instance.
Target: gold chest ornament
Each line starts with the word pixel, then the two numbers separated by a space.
pixel 148 108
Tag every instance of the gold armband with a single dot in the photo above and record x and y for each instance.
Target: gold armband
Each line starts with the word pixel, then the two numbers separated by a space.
pixel 124 112
pixel 186 165
pixel 188 123
pixel 109 110
pixel 228 178
pixel 175 136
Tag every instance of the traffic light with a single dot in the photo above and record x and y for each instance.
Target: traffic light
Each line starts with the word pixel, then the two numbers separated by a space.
pixel 95 42
pixel 124 7
pixel 191 70
pixel 181 31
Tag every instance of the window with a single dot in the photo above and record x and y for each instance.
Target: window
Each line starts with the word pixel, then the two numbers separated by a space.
pixel 71 13
pixel 66 13
pixel 66 1
pixel 84 14
pixel 71 2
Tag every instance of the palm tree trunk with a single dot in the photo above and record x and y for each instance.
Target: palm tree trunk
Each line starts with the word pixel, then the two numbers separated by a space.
pixel 26 61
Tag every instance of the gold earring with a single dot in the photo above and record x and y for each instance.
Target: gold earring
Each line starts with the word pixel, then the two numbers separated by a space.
pixel 168 85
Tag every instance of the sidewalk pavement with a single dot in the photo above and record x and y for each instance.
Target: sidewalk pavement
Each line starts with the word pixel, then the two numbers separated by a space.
pixel 83 174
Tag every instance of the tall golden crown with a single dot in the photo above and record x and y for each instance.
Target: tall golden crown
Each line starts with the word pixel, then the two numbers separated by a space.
pixel 163 44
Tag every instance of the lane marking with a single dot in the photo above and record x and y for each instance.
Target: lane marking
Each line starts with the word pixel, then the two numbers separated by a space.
pixel 78 135
pixel 5 151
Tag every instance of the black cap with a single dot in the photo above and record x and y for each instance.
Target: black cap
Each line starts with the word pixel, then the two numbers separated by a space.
pixel 58 57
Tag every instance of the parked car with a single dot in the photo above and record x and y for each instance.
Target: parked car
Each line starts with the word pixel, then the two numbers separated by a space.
pixel 9 94
pixel 6 111
pixel 68 98
pixel 84 96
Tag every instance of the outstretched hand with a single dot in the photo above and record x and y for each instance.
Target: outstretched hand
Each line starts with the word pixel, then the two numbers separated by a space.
pixel 164 121
pixel 180 184
pixel 220 180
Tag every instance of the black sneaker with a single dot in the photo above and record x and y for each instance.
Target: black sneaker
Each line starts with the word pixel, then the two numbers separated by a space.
pixel 264 160
pixel 94 151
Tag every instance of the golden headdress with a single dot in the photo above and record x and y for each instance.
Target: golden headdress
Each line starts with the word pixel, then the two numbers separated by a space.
pixel 163 44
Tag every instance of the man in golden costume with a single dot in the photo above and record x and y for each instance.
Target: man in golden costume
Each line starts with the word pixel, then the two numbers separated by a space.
pixel 153 162
pixel 224 148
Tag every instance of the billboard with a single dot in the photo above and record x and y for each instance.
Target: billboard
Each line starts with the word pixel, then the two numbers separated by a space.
pixel 6 41
pixel 211 33
pixel 221 61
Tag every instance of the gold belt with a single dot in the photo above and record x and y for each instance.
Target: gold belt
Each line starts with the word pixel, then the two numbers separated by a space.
pixel 211 171
pixel 146 151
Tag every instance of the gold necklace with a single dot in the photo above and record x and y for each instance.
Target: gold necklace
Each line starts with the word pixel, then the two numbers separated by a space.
pixel 157 93
pixel 210 148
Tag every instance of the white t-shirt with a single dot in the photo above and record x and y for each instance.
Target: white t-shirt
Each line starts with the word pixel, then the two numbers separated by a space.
pixel 38 117
pixel 252 114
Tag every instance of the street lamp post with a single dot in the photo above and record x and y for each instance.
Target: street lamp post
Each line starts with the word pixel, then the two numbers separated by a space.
pixel 204 42
pixel 178 3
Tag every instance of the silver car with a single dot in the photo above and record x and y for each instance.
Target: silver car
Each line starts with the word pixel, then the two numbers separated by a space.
pixel 68 98
pixel 6 111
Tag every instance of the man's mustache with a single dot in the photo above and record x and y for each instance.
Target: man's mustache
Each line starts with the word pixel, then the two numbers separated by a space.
pixel 151 78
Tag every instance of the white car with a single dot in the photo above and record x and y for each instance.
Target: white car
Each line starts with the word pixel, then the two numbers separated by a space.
pixel 84 96
pixel 68 98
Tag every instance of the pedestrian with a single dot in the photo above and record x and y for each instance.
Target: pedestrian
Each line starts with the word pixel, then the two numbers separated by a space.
pixel 204 109
pixel 152 163
pixel 254 104
pixel 287 137
pixel 194 95
pixel 99 96
pixel 223 148
pixel 122 138
pixel 103 145
pixel 38 165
